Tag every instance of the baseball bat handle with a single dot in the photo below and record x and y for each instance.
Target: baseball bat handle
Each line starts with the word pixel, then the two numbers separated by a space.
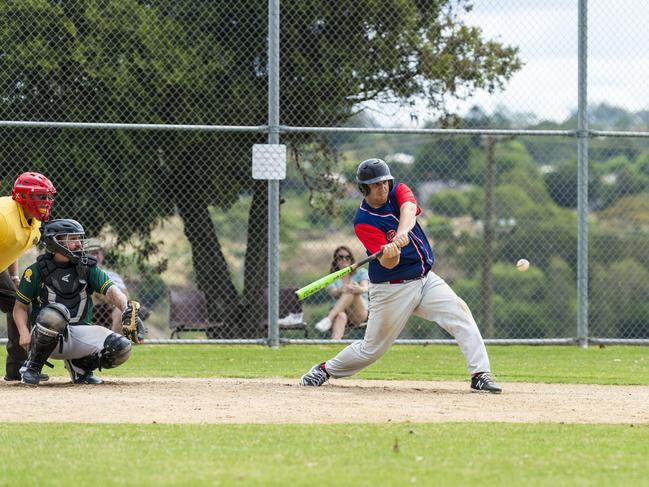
pixel 367 259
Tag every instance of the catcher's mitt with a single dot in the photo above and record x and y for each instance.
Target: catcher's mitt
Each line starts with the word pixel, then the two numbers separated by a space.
pixel 132 326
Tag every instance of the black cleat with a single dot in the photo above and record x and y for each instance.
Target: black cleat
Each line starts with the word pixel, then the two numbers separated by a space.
pixel 483 382
pixel 16 378
pixel 78 377
pixel 88 378
pixel 30 377
pixel 315 377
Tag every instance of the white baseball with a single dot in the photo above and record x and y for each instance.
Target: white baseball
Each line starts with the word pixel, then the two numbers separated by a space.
pixel 522 265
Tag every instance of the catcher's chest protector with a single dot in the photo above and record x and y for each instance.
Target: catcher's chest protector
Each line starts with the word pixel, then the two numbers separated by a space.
pixel 62 285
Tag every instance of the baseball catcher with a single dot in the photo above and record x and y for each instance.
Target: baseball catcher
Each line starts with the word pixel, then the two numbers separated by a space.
pixel 59 288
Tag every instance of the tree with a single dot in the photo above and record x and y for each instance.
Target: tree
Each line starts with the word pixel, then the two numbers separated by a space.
pixel 204 62
pixel 560 298
pixel 618 296
pixel 561 184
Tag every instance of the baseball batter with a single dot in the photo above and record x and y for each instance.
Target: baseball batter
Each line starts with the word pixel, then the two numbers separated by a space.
pixel 21 215
pixel 401 283
pixel 59 288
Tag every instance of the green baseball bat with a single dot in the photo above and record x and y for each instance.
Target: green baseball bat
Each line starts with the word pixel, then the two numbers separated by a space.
pixel 315 286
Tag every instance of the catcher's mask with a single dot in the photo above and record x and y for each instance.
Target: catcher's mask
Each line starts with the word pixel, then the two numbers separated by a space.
pixel 372 171
pixel 65 237
pixel 35 192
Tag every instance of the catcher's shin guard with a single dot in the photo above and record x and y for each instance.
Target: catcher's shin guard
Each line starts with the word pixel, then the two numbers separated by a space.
pixel 43 344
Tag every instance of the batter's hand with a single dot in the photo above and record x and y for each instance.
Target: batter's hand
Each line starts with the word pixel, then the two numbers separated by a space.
pixel 401 240
pixel 391 250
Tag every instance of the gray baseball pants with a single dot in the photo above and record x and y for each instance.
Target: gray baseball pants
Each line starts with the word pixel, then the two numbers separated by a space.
pixel 83 340
pixel 389 309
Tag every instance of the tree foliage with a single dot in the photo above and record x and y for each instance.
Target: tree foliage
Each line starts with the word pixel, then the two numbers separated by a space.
pixel 205 62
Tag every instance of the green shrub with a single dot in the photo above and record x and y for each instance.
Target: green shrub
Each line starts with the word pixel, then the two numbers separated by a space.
pixel 449 203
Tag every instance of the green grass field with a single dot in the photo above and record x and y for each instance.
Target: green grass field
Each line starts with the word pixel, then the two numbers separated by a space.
pixel 347 454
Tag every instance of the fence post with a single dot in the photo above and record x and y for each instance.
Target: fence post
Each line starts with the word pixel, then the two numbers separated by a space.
pixel 582 179
pixel 488 237
pixel 273 184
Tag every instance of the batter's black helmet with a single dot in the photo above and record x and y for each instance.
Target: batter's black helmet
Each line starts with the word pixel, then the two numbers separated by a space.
pixel 372 171
pixel 57 228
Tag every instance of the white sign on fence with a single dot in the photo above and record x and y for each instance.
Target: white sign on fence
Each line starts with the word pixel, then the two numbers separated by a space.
pixel 269 161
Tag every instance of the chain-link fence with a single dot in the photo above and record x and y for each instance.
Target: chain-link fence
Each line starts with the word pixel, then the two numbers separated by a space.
pixel 175 211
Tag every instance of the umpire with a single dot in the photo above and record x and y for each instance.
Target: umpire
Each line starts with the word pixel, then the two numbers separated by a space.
pixel 21 215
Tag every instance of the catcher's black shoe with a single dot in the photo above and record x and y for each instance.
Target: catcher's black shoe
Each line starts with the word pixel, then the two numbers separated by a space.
pixel 315 377
pixel 17 378
pixel 483 382
pixel 81 376
pixel 30 377
pixel 88 378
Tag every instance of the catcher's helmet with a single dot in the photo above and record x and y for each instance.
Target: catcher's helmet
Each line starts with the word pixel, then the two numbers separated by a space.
pixel 54 230
pixel 372 171
pixel 36 193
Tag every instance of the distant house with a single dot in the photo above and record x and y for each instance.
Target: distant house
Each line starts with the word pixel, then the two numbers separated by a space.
pixel 400 157
pixel 426 189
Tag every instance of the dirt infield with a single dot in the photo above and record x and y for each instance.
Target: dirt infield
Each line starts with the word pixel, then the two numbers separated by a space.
pixel 145 400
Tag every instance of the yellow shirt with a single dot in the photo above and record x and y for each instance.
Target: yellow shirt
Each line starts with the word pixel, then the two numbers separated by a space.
pixel 16 234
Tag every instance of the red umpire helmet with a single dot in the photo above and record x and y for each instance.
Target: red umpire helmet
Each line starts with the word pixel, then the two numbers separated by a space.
pixel 372 171
pixel 35 192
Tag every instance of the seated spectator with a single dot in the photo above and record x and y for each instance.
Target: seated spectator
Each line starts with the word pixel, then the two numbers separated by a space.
pixel 350 295
pixel 104 313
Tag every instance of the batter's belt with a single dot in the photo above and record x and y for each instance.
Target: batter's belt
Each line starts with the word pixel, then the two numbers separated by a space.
pixel 403 281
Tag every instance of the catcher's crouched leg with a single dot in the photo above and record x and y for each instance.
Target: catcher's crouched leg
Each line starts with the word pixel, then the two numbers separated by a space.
pixel 51 322
pixel 117 350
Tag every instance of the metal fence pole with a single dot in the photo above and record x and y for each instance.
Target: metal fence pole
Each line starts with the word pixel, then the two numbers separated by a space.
pixel 582 178
pixel 489 238
pixel 273 185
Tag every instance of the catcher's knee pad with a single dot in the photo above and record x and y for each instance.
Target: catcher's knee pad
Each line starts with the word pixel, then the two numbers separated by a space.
pixel 117 350
pixel 54 316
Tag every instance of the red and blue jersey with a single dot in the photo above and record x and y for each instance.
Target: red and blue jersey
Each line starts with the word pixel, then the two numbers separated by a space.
pixel 376 227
